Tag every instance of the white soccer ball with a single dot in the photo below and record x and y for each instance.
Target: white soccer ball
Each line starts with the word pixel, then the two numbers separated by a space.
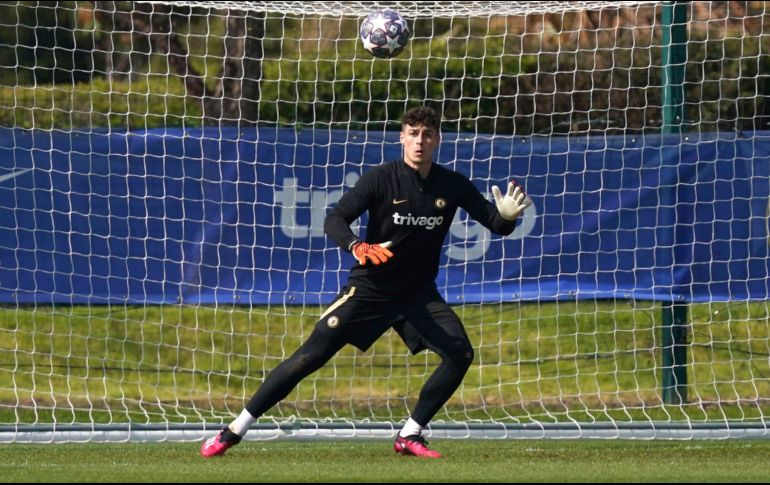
pixel 385 33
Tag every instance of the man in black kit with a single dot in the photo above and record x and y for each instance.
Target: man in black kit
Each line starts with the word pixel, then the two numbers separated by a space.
pixel 411 204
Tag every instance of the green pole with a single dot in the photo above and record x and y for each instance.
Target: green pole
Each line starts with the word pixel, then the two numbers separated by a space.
pixel 674 57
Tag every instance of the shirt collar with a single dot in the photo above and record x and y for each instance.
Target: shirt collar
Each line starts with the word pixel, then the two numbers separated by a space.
pixel 404 168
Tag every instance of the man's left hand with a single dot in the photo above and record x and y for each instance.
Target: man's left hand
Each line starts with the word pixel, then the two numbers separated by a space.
pixel 513 204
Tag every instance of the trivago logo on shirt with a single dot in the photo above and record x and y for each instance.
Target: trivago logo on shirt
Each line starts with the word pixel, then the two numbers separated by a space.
pixel 422 221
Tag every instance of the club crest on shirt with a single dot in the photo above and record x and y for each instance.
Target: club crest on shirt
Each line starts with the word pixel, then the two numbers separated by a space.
pixel 439 203
pixel 333 322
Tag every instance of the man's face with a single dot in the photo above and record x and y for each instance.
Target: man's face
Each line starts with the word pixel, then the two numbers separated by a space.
pixel 419 142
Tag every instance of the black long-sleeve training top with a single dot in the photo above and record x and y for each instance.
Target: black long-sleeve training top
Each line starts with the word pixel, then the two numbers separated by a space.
pixel 415 215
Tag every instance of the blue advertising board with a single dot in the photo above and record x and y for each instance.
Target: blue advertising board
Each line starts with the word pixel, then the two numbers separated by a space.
pixel 236 216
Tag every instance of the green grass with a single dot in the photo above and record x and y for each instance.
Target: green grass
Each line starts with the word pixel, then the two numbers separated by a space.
pixel 374 461
pixel 578 360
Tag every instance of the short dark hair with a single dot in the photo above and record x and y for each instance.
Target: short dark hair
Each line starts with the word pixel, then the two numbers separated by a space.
pixel 422 115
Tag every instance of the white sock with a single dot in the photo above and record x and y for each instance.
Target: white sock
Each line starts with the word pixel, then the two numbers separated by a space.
pixel 410 428
pixel 242 423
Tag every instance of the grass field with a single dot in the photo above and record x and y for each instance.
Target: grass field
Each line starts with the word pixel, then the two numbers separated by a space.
pixel 374 461
pixel 567 361
pixel 585 361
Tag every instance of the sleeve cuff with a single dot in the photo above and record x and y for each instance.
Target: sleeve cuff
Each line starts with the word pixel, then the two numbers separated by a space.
pixel 351 244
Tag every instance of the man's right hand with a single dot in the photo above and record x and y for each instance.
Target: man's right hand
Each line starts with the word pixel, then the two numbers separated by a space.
pixel 376 253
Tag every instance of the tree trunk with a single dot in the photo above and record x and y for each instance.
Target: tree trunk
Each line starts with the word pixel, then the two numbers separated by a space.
pixel 235 99
pixel 252 67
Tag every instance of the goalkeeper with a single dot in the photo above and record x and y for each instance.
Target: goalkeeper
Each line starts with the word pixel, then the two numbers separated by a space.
pixel 411 204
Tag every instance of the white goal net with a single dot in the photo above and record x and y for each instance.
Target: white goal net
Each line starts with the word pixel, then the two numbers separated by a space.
pixel 166 167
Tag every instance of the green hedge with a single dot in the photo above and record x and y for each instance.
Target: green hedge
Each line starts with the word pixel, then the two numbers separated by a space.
pixel 357 91
pixel 472 92
pixel 152 102
pixel 497 92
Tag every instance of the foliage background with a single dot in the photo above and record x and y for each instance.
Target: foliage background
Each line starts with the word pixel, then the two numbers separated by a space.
pixel 136 66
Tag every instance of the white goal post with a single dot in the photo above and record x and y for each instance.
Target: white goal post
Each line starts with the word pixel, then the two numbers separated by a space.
pixel 165 169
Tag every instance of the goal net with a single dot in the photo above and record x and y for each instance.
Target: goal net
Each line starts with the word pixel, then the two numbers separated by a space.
pixel 166 167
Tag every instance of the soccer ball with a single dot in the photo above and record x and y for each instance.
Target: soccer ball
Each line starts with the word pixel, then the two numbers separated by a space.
pixel 385 33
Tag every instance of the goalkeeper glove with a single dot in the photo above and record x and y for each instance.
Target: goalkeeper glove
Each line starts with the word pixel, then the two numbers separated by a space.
pixel 513 204
pixel 376 253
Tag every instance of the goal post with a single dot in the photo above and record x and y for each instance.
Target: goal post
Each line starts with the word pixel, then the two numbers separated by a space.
pixel 166 167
